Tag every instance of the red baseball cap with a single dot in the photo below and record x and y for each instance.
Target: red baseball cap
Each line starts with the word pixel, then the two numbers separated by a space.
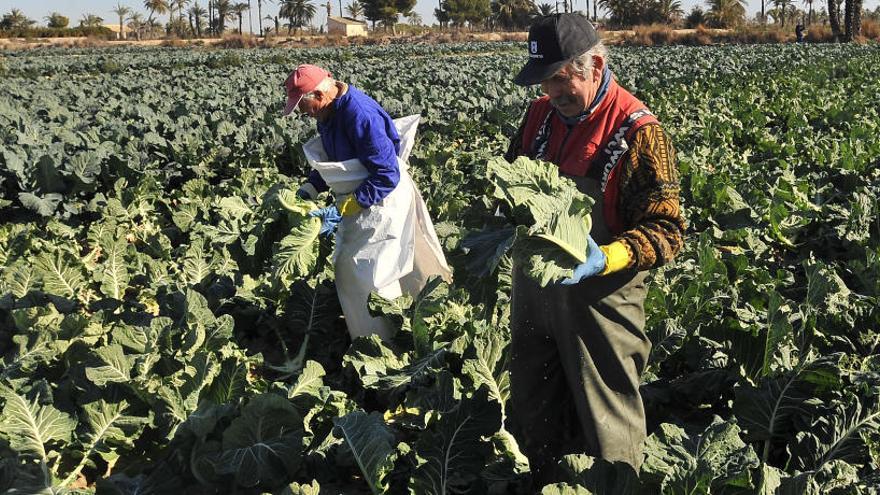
pixel 303 80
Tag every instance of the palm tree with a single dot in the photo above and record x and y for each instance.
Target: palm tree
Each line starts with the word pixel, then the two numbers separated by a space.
pixel 809 4
pixel 136 24
pixel 298 12
pixel 178 5
pixel 91 20
pixel 726 13
pixel 250 19
pixel 669 11
pixel 782 8
pixel 834 18
pixel 155 6
pixel 16 19
pixel 238 10
pixel 260 15
pixel 197 14
pixel 852 19
pixel 545 9
pixel 355 10
pixel 121 11
pixel 224 12
pixel 622 12
pixel 414 19
pixel 513 14
pixel 56 20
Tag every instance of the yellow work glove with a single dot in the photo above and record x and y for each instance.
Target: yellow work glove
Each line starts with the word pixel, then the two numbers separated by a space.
pixel 349 206
pixel 616 257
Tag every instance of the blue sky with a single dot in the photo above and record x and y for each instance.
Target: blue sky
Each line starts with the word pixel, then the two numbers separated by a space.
pixel 38 9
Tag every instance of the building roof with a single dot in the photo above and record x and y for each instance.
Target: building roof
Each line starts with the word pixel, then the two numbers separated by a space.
pixel 347 21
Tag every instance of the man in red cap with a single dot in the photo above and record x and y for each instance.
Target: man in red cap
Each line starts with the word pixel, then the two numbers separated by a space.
pixel 351 125
pixel 579 347
pixel 385 241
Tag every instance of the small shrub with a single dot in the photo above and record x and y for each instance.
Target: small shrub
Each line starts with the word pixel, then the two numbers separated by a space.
pixel 173 43
pixel 91 42
pixel 238 41
pixel 699 37
pixel 521 37
pixel 870 29
pixel 110 67
pixel 277 59
pixel 657 34
pixel 224 60
pixel 818 33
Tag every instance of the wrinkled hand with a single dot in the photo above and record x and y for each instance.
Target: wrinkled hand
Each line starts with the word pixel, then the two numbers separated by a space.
pixel 594 265
pixel 330 218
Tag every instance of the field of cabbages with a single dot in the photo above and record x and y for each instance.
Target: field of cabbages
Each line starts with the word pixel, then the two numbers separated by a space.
pixel 168 326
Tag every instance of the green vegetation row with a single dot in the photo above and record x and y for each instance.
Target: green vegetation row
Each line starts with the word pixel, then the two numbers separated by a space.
pixel 165 329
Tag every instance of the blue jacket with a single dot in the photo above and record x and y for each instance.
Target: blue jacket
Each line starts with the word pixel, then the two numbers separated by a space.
pixel 360 128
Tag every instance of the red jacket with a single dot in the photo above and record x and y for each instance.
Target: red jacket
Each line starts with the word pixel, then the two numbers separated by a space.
pixel 594 147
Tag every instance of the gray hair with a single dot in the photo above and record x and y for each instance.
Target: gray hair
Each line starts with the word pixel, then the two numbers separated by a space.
pixel 584 62
pixel 323 86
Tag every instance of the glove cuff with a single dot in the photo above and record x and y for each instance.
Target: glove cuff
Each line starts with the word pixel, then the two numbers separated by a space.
pixel 616 257
pixel 350 206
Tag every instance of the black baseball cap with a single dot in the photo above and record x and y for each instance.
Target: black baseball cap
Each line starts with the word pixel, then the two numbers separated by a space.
pixel 555 40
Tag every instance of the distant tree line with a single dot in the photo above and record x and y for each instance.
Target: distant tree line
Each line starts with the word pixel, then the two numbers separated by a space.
pixel 188 18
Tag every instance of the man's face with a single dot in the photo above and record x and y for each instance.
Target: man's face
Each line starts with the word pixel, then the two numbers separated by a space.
pixel 571 93
pixel 308 106
pixel 315 104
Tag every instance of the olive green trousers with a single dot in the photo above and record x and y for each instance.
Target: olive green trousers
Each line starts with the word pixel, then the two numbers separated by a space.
pixel 577 354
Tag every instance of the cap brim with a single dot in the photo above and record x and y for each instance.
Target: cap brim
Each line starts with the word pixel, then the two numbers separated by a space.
pixel 534 72
pixel 292 103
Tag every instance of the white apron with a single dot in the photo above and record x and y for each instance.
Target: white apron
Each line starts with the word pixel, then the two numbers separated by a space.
pixel 390 248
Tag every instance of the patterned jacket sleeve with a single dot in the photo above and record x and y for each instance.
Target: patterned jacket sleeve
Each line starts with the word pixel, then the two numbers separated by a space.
pixel 650 204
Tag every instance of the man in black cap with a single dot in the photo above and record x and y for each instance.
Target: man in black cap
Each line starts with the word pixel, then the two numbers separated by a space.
pixel 579 347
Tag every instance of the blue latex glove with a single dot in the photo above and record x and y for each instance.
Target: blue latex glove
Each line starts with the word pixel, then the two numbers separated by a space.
pixel 594 265
pixel 330 218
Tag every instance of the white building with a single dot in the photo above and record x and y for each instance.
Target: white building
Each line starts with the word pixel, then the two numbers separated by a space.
pixel 345 26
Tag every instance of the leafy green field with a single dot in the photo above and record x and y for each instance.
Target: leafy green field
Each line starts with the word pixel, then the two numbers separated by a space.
pixel 166 326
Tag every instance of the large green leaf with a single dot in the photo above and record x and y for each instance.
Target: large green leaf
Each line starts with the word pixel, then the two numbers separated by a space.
pixel 486 363
pixel 111 427
pixel 410 313
pixel 114 276
pixel 297 253
pixel 555 214
pixel 309 382
pixel 234 208
pixel 263 446
pixel 836 435
pixel 598 475
pixel 370 443
pixel 565 489
pixel 116 367
pixel 42 205
pixel 380 368
pixel 678 463
pixel 451 454
pixel 60 275
pixel 19 279
pixel 33 428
